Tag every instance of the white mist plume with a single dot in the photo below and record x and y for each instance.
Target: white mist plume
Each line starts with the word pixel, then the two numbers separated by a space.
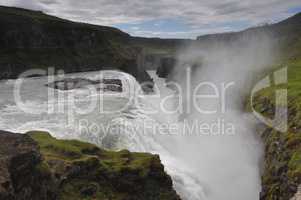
pixel 228 166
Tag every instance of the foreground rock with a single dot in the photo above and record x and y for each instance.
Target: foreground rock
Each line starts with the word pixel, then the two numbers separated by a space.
pixel 37 166
pixel 298 194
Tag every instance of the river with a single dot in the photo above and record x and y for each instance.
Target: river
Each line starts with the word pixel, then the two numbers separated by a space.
pixel 201 167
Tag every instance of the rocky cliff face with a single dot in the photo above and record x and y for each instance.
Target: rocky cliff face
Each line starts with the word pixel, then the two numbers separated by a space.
pixel 282 161
pixel 298 194
pixel 20 175
pixel 281 175
pixel 32 39
pixel 36 166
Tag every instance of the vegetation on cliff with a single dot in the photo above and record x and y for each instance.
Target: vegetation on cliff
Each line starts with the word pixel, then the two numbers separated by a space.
pixel 47 168
pixel 282 166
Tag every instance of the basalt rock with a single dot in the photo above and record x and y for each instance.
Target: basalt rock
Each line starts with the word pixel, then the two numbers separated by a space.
pixel 281 173
pixel 37 166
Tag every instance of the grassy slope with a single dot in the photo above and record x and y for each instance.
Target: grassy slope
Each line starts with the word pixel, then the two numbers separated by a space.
pixel 282 173
pixel 93 173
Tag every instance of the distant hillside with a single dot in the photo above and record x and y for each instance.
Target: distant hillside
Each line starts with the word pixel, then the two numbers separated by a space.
pixel 286 33
pixel 31 39
pixel 285 36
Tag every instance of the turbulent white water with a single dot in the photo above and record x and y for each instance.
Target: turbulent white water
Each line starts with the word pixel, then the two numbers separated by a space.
pixel 124 129
pixel 196 169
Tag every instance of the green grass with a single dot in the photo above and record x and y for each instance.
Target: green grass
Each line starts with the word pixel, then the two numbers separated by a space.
pixel 74 150
pixel 97 169
pixel 295 162
pixel 62 149
pixel 282 150
pixel 293 87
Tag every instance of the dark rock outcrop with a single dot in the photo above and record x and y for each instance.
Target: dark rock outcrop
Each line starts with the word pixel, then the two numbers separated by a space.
pixel 281 174
pixel 20 175
pixel 37 166
pixel 114 85
pixel 167 65
pixel 298 194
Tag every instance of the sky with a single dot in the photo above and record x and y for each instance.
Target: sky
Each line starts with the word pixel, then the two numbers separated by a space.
pixel 167 18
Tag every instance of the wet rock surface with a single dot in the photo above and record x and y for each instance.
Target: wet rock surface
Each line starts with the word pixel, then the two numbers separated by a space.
pixel 167 65
pixel 298 194
pixel 113 85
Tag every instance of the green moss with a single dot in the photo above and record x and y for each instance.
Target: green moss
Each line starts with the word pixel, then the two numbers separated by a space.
pixel 74 150
pixel 282 150
pixel 295 161
pixel 64 149
pixel 89 172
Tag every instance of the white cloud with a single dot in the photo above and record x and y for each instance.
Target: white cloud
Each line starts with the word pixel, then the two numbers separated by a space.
pixel 28 4
pixel 195 13
pixel 135 28
pixel 193 33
